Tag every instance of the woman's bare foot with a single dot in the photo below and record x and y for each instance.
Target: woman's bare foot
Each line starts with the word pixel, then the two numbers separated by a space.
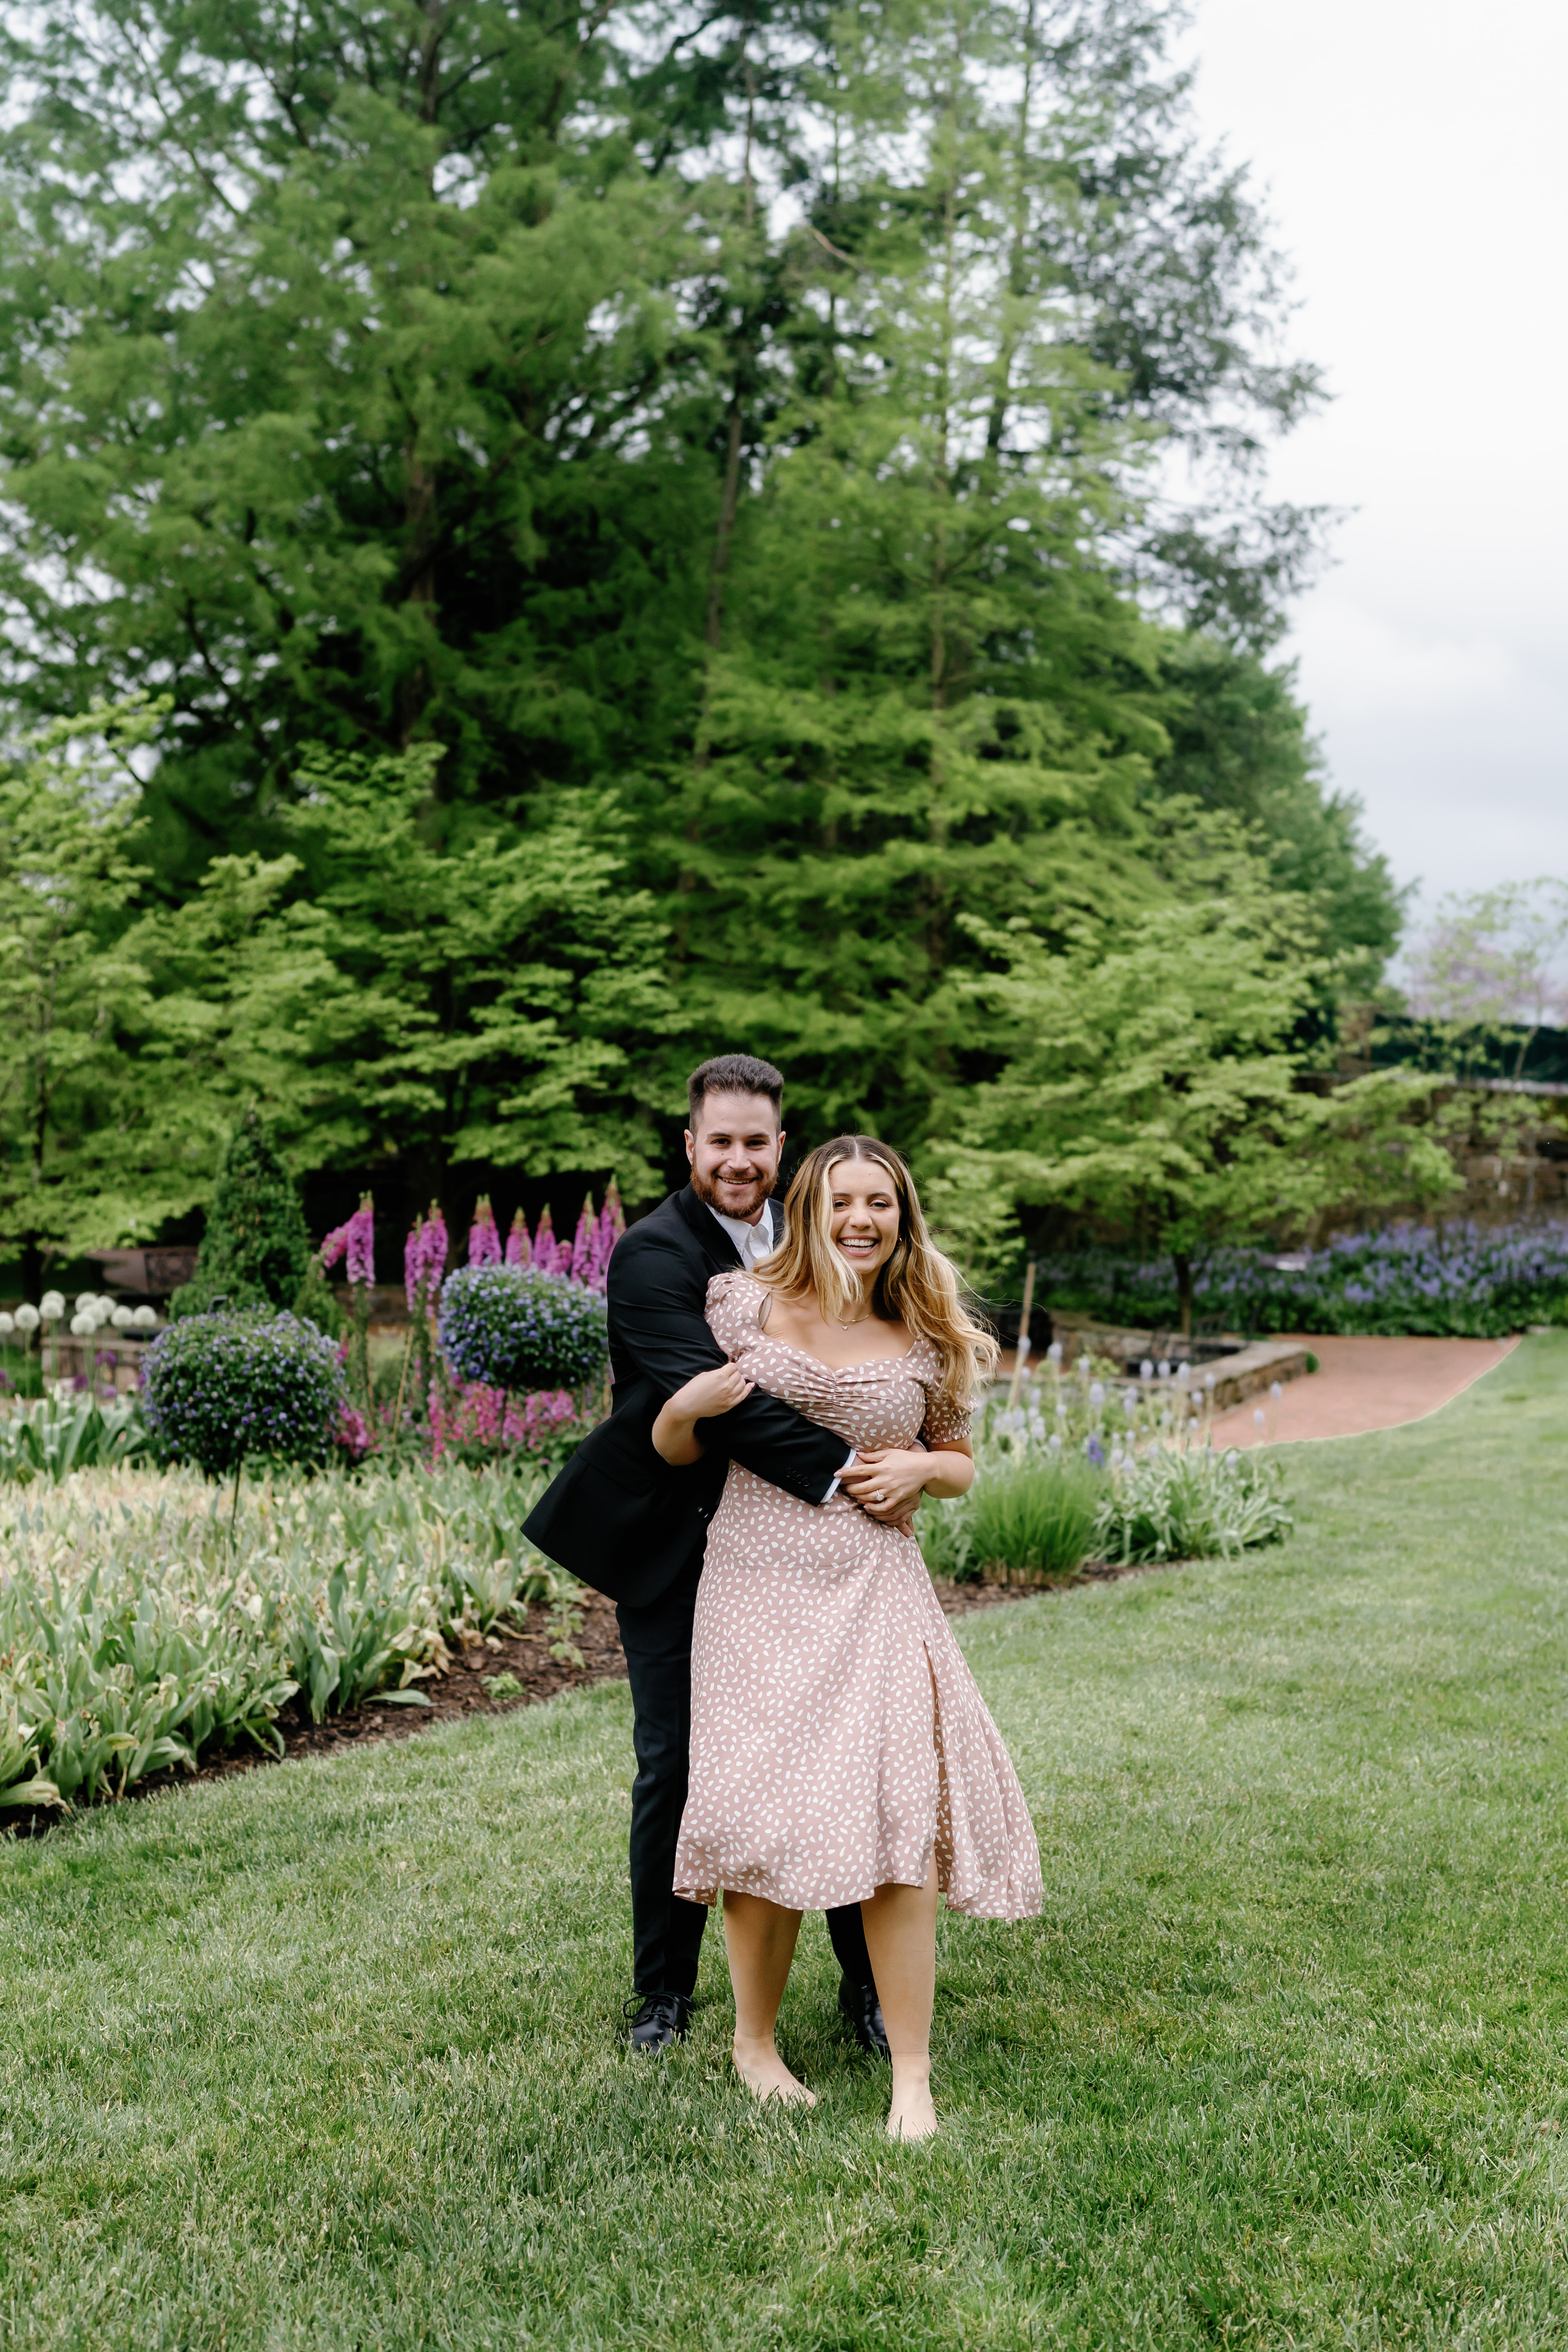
pixel 761 2070
pixel 911 2115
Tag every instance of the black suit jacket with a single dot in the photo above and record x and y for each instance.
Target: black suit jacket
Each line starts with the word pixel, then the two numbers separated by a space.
pixel 618 1516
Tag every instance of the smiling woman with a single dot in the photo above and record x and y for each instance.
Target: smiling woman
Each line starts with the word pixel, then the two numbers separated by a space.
pixel 856 1766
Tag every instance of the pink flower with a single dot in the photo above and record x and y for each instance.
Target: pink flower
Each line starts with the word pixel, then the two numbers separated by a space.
pixel 481 1416
pixel 425 1261
pixel 484 1242
pixel 519 1248
pixel 582 1245
pixel 358 1239
pixel 352 1433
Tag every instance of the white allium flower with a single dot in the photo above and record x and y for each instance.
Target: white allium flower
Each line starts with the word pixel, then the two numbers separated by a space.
pixel 1165 1369
pixel 1257 1416
pixel 7 1322
pixel 1053 1445
pixel 51 1306
pixel 122 1319
pixel 26 1318
pixel 83 1326
pixel 1275 1388
pixel 86 1303
pixel 1054 1352
pixel 144 1318
pixel 1145 1370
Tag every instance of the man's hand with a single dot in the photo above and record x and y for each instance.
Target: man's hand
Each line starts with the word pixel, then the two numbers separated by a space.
pixel 888 1485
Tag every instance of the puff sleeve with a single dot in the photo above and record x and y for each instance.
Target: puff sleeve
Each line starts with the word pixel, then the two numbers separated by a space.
pixel 733 1308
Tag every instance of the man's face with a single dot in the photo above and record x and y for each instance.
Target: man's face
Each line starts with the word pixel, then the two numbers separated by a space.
pixel 734 1154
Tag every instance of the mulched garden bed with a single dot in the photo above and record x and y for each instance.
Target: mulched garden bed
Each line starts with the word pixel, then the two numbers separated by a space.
pixel 466 1687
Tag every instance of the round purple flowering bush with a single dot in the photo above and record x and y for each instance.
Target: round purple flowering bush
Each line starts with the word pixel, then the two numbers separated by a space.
pixel 218 1387
pixel 512 1328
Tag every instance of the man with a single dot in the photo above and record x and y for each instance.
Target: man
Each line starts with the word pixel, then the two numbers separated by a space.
pixel 627 1523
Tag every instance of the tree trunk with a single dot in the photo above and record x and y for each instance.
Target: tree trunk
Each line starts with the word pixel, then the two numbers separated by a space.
pixel 1184 1266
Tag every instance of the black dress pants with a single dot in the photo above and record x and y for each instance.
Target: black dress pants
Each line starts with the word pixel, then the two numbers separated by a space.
pixel 667 1932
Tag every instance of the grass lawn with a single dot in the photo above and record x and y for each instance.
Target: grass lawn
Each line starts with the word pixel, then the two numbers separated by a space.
pixel 325 2056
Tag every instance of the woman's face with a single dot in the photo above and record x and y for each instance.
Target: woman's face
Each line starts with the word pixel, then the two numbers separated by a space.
pixel 865 1215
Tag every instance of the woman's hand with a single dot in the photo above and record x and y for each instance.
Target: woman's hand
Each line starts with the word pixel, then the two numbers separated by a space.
pixel 711 1393
pixel 702 1399
pixel 889 1483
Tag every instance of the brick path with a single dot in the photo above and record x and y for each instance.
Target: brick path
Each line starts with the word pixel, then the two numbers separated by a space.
pixel 1363 1384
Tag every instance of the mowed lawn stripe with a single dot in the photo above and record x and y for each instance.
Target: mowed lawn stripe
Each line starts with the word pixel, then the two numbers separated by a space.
pixel 326 2056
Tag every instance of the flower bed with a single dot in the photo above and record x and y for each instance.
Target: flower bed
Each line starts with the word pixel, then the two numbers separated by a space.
pixel 143 1622
pixel 1096 1467
pixel 1467 1282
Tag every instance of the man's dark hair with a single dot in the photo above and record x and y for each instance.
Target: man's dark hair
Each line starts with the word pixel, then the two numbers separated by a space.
pixel 734 1074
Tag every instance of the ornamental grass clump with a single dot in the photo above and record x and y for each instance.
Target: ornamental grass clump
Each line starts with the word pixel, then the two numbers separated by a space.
pixel 1036 1521
pixel 218 1389
pixel 513 1328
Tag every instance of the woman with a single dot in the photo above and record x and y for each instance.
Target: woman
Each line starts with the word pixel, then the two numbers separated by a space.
pixel 840 1751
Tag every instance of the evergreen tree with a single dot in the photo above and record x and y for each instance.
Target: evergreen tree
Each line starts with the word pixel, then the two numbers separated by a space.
pixel 255 1251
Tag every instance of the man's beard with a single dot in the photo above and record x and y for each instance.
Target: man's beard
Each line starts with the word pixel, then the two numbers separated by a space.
pixel 706 1189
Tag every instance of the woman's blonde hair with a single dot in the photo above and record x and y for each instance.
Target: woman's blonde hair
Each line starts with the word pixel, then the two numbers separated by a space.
pixel 916 1286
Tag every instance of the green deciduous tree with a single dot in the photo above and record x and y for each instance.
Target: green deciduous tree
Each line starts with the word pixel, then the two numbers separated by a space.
pixel 69 1103
pixel 1153 1084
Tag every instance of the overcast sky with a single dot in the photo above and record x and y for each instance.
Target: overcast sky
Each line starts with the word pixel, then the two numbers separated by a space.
pixel 1412 154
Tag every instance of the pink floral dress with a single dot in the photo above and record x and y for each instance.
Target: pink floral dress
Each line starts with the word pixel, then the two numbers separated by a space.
pixel 837 1736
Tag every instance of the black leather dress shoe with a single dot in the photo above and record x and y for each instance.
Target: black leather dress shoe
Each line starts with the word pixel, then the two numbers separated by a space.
pixel 658 2019
pixel 864 2010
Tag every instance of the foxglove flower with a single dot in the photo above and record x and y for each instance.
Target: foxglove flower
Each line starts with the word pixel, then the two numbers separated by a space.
pixel 484 1242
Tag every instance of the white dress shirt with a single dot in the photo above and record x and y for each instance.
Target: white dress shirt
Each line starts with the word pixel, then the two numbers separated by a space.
pixel 754 1242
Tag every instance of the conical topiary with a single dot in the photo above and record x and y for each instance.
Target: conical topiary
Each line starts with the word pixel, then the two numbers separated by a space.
pixel 255 1251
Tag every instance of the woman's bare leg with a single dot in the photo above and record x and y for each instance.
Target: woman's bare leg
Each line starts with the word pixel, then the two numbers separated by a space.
pixel 900 1935
pixel 759 1937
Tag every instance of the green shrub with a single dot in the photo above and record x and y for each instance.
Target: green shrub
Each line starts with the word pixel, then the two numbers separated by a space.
pixel 1037 1520
pixel 255 1251
pixel 1190 1506
pixel 217 1388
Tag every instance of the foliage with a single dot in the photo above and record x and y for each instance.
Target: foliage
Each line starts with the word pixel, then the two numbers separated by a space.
pixel 1239 743
pixel 1190 1503
pixel 1463 1281
pixel 67 1172
pixel 255 1250
pixel 1154 1081
pixel 1491 961
pixel 144 1621
pixel 1037 1520
pixel 646 526
pixel 1054 1470
pixel 219 1387
pixel 56 1434
pixel 513 1328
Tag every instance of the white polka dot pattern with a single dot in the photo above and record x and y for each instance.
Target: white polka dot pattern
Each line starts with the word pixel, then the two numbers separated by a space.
pixel 837 1736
